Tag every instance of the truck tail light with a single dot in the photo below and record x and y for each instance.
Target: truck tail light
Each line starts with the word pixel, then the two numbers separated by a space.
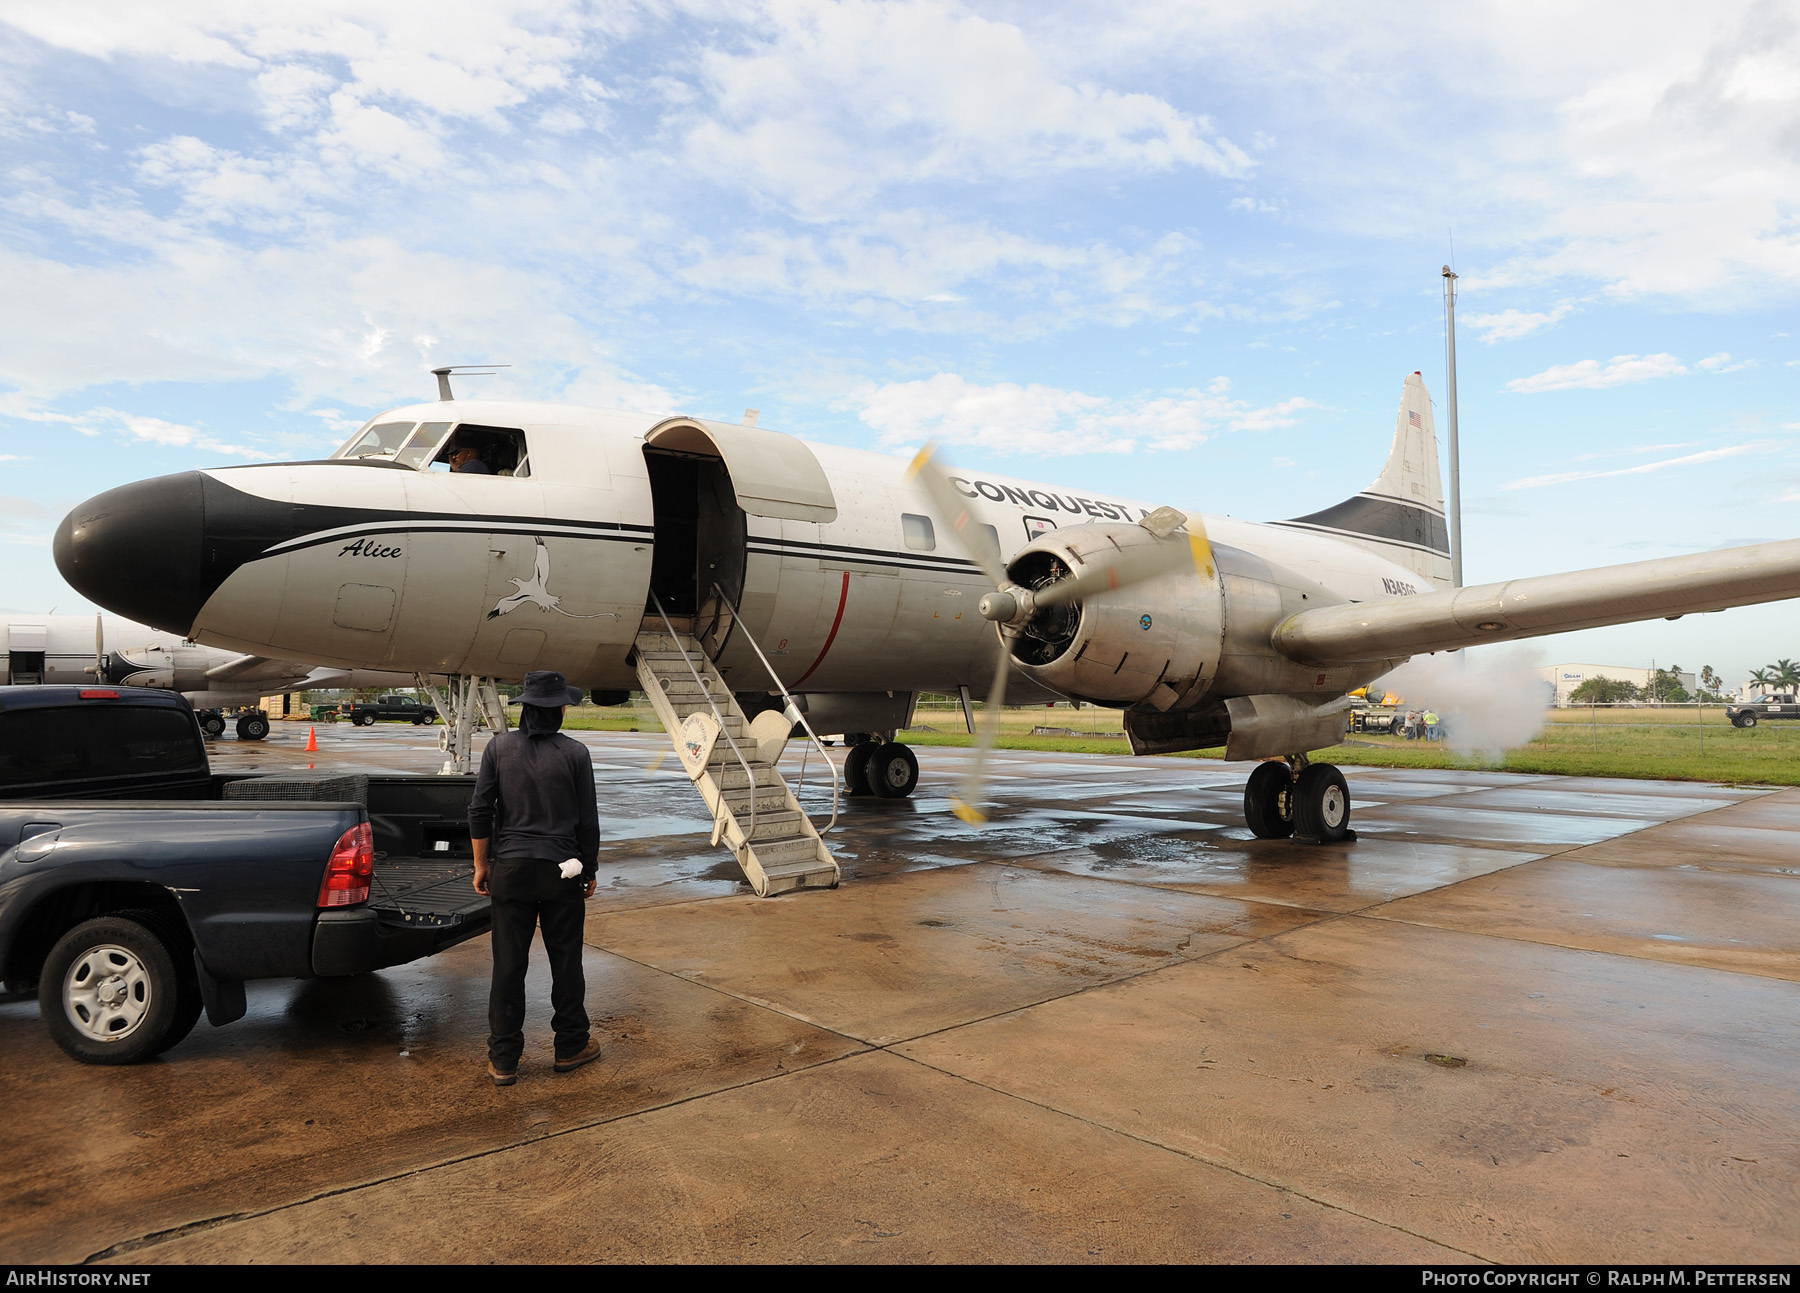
pixel 352 865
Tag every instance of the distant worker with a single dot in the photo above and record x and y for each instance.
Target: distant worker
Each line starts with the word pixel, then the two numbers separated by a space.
pixel 536 831
pixel 467 461
pixel 1431 725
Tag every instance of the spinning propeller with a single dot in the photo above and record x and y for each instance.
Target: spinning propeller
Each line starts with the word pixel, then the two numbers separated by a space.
pixel 1019 611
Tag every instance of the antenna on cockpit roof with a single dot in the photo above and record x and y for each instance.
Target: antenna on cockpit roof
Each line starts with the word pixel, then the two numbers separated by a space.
pixel 477 370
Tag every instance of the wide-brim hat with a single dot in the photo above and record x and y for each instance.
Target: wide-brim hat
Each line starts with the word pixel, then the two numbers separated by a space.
pixel 548 688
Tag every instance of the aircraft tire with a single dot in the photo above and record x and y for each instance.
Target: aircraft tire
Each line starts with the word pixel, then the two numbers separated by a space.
pixel 1269 802
pixel 892 771
pixel 252 727
pixel 1322 804
pixel 856 763
pixel 213 724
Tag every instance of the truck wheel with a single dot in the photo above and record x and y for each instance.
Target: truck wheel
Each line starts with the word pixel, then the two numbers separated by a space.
pixel 1749 720
pixel 430 719
pixel 365 720
pixel 111 991
pixel 252 727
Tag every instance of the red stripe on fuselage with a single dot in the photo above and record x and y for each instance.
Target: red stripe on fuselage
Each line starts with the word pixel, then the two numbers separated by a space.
pixel 830 637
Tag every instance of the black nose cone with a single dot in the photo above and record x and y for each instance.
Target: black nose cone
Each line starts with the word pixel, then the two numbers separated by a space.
pixel 137 550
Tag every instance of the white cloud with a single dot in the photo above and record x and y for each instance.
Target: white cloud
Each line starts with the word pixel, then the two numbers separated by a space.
pixel 1688 460
pixel 1590 374
pixel 823 104
pixel 1721 363
pixel 1009 418
pixel 1509 325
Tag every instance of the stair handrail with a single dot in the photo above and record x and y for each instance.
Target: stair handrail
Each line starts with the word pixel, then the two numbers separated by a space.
pixel 717 717
pixel 792 711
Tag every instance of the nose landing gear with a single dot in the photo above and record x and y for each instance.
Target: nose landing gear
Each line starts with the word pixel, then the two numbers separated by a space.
pixel 1296 798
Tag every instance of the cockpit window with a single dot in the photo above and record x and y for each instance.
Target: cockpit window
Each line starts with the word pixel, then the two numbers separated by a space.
pixel 423 445
pixel 483 450
pixel 384 438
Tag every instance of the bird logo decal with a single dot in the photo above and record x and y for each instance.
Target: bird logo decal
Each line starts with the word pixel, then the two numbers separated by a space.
pixel 536 592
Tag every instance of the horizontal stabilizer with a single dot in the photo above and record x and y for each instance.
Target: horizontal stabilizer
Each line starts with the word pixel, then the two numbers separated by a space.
pixel 1524 608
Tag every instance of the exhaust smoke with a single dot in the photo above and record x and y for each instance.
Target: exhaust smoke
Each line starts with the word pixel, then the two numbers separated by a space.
pixel 1490 699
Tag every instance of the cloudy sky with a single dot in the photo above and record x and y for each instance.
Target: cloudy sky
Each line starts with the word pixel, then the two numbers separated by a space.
pixel 1176 250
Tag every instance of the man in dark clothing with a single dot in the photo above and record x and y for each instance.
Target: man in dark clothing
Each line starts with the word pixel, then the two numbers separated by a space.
pixel 536 830
pixel 468 461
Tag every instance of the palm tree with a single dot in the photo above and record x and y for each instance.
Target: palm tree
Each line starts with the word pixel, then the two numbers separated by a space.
pixel 1787 674
pixel 1763 678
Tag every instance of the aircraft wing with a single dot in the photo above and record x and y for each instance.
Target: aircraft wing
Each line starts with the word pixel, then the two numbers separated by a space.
pixel 247 670
pixel 1524 608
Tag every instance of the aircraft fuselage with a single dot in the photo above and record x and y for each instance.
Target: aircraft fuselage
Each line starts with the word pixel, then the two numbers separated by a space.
pixel 373 563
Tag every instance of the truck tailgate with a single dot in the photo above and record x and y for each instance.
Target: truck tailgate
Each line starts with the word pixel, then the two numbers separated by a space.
pixel 427 892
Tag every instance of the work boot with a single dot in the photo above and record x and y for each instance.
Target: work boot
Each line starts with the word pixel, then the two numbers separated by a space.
pixel 588 1055
pixel 502 1077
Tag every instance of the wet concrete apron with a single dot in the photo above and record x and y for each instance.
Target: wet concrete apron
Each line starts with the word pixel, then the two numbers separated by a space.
pixel 1520 1019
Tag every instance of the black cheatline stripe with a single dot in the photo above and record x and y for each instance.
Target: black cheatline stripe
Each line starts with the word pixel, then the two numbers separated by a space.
pixel 791 547
pixel 876 552
pixel 1395 498
pixel 861 561
pixel 1357 534
pixel 350 535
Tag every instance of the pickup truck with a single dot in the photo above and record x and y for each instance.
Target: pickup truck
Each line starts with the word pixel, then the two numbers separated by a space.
pixel 138 888
pixel 1748 713
pixel 389 709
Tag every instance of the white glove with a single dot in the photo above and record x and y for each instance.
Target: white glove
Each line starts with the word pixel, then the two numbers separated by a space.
pixel 570 869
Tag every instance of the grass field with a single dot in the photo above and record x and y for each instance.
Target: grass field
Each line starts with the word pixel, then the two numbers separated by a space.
pixel 1679 744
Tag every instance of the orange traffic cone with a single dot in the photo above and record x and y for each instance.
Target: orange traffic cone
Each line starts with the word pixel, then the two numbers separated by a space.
pixel 312 740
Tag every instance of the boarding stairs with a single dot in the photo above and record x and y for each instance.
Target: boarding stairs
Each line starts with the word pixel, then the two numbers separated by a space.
pixel 731 762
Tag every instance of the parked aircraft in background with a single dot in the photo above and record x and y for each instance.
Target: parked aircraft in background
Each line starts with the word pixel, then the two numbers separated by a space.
pixel 861 584
pixel 83 649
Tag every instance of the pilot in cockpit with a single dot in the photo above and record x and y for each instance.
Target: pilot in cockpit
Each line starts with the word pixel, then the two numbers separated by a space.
pixel 465 459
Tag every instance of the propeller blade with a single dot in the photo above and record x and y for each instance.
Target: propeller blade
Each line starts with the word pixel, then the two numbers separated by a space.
pixel 99 647
pixel 952 509
pixel 963 804
pixel 1120 570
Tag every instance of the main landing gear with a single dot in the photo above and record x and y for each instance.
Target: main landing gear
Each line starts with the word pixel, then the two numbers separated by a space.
pixel 1297 798
pixel 252 725
pixel 879 767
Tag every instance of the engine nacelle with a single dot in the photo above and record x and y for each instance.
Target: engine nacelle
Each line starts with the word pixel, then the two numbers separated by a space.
pixel 1156 641
pixel 180 668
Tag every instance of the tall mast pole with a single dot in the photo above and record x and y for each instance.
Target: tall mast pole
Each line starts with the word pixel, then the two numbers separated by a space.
pixel 1456 551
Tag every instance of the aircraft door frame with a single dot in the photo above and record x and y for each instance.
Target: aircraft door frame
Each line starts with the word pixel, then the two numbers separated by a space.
pixel 738 472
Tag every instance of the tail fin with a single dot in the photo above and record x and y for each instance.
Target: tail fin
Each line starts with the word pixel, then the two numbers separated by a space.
pixel 1400 516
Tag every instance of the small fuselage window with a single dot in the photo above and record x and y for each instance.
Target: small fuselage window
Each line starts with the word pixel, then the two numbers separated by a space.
pixel 918 532
pixel 987 539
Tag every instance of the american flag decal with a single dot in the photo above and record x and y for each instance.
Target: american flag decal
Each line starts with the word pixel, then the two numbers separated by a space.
pixel 1413 418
